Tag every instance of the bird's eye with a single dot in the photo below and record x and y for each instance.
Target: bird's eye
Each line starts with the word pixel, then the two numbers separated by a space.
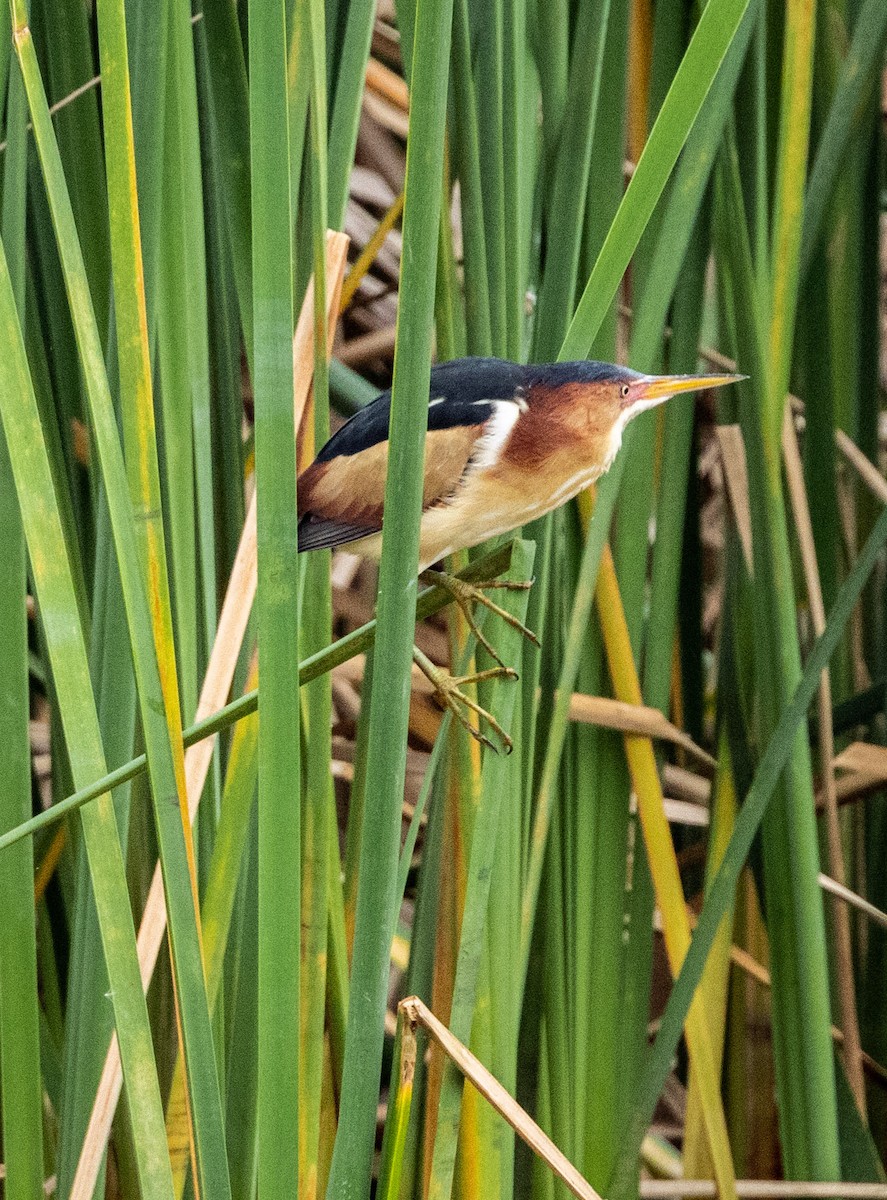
pixel 623 391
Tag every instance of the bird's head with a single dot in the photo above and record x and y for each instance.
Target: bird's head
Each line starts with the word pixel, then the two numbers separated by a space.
pixel 595 401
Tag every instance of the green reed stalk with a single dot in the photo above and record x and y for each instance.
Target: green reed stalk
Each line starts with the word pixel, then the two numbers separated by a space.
pixel 483 836
pixel 164 757
pixel 277 610
pixel 316 621
pixel 67 652
pixel 720 894
pixel 699 67
pixel 389 701
pixel 20 1078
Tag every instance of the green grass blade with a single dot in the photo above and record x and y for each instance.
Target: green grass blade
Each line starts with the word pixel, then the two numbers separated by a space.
pixel 390 700
pixel 241 1003
pixel 316 623
pixel 225 869
pixel 55 595
pixel 684 200
pixel 182 360
pixel 167 778
pixel 518 154
pixel 146 26
pixel 276 604
pixel 348 390
pixel 64 32
pixel 494 789
pixel 348 85
pixel 557 732
pixel 224 329
pixel 856 86
pixel 487 24
pixel 464 134
pixel 20 1077
pixel 801 990
pixel 723 886
pixel 557 294
pixel 6 59
pixel 788 206
pixel 403 1069
pixel 710 42
pixel 230 92
pixel 88 1025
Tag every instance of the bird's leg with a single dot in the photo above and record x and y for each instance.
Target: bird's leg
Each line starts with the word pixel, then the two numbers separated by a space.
pixel 447 689
pixel 466 594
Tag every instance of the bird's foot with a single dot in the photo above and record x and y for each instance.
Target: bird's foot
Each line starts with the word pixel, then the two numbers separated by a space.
pixel 447 690
pixel 466 595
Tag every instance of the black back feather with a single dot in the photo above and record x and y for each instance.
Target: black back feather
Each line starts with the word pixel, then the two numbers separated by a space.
pixel 460 389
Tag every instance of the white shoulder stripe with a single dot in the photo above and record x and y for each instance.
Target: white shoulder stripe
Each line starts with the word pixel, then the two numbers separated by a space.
pixel 497 430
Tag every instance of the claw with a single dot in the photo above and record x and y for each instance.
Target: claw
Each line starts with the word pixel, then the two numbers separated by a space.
pixel 449 695
pixel 467 594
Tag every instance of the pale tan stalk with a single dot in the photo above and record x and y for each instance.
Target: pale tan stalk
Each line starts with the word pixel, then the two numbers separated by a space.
pixel 502 1101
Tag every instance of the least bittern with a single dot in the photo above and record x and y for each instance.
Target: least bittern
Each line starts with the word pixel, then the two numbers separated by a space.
pixel 505 445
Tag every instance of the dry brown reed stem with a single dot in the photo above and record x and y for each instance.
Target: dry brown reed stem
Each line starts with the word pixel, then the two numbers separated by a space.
pixel 736 479
pixel 634 718
pixel 842 892
pixel 367 346
pixel 417 1014
pixel 216 686
pixel 864 467
pixel 686 785
pixel 389 116
pixel 866 759
pixel 388 84
pixel 865 764
pixel 841 918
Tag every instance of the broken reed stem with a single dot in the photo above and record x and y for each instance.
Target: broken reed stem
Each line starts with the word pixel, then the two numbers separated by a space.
pixel 476 1073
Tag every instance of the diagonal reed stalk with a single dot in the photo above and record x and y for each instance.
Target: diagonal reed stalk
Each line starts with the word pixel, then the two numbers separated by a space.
pixel 779 749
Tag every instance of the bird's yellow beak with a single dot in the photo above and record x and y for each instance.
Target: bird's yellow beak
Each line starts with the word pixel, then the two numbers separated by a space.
pixel 654 389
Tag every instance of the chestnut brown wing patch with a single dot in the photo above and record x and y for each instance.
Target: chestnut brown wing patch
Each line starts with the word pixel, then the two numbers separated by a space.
pixel 341 499
pixel 448 453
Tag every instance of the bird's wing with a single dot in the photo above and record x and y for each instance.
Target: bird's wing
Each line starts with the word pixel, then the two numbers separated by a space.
pixel 341 498
pixel 472 406
pixel 318 533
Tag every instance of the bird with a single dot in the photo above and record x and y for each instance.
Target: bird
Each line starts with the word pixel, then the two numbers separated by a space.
pixel 506 443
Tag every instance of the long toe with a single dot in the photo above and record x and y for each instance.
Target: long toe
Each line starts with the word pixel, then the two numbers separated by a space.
pixel 467 594
pixel 449 695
